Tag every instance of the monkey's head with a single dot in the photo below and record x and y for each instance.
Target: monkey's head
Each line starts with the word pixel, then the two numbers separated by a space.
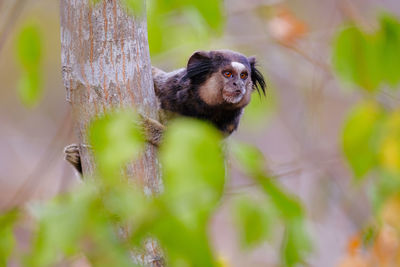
pixel 224 78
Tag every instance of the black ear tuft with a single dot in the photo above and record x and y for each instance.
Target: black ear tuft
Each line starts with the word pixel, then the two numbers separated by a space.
pixel 256 77
pixel 199 66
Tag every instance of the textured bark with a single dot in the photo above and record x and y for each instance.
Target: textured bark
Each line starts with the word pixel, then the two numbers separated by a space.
pixel 106 65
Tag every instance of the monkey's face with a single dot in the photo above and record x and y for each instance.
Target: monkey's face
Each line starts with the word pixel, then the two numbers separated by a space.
pixel 236 84
pixel 224 78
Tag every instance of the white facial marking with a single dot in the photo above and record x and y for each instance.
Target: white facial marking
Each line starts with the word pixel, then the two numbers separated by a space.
pixel 237 99
pixel 239 67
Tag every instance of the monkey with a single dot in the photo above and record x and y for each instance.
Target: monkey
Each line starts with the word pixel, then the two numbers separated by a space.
pixel 215 86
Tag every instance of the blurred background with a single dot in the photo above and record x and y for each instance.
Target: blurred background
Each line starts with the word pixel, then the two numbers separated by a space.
pixel 298 125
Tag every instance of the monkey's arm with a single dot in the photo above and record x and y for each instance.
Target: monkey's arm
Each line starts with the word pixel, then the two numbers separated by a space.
pixel 152 130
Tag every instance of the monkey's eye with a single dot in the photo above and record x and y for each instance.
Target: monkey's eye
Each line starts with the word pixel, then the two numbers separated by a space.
pixel 243 75
pixel 228 74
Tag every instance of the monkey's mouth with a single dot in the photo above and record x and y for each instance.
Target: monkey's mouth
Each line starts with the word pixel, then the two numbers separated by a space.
pixel 232 97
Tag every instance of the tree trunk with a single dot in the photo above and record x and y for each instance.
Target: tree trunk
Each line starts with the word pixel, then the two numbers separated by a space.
pixel 105 65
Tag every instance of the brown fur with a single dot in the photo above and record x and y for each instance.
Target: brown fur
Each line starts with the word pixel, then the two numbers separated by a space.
pixel 211 91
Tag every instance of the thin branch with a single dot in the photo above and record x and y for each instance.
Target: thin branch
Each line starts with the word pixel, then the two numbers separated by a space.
pixel 349 11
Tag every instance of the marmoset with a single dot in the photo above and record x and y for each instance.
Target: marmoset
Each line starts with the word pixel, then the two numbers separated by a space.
pixel 215 86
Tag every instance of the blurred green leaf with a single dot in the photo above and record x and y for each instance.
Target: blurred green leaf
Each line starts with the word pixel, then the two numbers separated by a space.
pixel 252 161
pixel 389 48
pixel 380 189
pixel 30 88
pixel 74 224
pixel 297 243
pixel 366 59
pixel 288 205
pixel 253 220
pixel 7 240
pixel 116 138
pixel 61 223
pixel 128 203
pixel 193 168
pixel 368 235
pixel 389 149
pixel 211 11
pixel 184 245
pixel 196 20
pixel 355 58
pixel 361 137
pixel 194 178
pixel 29 47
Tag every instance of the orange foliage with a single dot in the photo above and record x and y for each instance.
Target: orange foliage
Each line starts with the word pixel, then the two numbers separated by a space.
pixel 285 27
pixel 385 250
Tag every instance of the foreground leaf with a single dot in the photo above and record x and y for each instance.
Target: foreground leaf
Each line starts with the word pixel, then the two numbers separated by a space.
pixel 361 137
pixel 7 240
pixel 253 220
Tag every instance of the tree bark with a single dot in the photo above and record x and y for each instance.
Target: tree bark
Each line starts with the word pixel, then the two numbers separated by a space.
pixel 106 65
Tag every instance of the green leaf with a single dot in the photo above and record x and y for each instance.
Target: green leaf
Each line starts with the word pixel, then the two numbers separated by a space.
pixel 193 167
pixel 78 223
pixel 169 20
pixel 389 148
pixel 194 177
pixel 369 60
pixel 252 161
pixel 116 139
pixel 211 11
pixel 387 185
pixel 7 240
pixel 297 244
pixel 355 58
pixel 289 206
pixel 61 224
pixel 128 204
pixel 30 88
pixel 29 47
pixel 389 49
pixel 361 137
pixel 253 220
pixel 184 245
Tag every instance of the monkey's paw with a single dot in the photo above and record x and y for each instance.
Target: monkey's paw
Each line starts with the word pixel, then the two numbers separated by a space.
pixel 72 155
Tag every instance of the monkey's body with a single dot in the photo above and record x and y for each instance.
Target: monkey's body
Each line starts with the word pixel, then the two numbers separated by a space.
pixel 174 96
pixel 201 91
pixel 215 86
